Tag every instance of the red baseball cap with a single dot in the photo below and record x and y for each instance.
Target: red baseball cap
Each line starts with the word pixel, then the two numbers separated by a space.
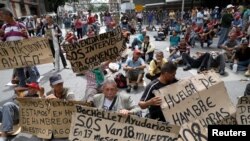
pixel 33 85
pixel 138 52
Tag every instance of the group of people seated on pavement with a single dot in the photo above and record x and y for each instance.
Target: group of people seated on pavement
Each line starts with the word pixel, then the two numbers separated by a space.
pixel 103 93
pixel 9 112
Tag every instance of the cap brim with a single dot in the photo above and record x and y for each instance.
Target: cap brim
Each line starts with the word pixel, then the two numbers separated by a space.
pixel 57 82
pixel 30 86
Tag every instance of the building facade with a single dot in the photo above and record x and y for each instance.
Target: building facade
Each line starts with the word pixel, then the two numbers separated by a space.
pixel 167 4
pixel 24 7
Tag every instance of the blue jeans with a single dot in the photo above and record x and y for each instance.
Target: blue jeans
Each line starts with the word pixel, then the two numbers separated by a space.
pixel 22 77
pixel 243 65
pixel 8 114
pixel 223 35
pixel 136 42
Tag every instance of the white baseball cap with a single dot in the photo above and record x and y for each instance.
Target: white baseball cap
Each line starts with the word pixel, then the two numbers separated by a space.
pixel 230 6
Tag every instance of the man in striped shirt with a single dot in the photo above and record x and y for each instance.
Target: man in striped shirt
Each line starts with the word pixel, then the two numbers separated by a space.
pixel 14 31
pixel 152 102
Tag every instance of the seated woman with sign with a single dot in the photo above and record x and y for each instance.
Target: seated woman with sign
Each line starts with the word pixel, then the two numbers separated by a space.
pixel 9 112
pixel 110 100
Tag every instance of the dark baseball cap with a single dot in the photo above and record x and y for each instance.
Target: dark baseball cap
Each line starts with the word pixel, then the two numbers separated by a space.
pixel 56 79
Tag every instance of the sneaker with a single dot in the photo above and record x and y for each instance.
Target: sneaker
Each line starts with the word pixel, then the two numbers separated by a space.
pixel 135 86
pixel 247 73
pixel 187 68
pixel 222 72
pixel 199 70
pixel 66 67
pixel 128 89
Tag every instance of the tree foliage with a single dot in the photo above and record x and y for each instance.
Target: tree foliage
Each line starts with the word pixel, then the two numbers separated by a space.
pixel 52 5
pixel 103 7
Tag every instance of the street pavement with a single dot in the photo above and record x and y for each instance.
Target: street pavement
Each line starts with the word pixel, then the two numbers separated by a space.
pixel 233 82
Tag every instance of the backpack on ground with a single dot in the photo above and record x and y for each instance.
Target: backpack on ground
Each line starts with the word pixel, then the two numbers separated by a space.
pixel 120 80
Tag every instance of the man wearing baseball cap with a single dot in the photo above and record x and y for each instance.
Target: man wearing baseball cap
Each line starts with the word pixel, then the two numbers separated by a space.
pixel 134 69
pixel 242 57
pixel 9 112
pixel 58 90
pixel 226 24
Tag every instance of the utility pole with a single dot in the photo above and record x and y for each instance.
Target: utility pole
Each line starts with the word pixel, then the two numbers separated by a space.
pixel 182 9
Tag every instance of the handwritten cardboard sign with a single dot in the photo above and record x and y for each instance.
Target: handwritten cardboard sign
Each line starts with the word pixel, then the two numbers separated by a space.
pixel 28 52
pixel 43 117
pixel 93 124
pixel 193 131
pixel 91 52
pixel 202 97
pixel 243 111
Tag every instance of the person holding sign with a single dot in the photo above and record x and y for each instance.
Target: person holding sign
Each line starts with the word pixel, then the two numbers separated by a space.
pixel 14 31
pixel 152 102
pixel 110 100
pixel 9 112
pixel 58 91
pixel 134 69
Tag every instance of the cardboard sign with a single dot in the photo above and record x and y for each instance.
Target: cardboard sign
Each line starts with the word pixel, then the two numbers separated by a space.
pixel 193 131
pixel 91 52
pixel 23 53
pixel 231 120
pixel 243 111
pixel 202 97
pixel 44 117
pixel 93 124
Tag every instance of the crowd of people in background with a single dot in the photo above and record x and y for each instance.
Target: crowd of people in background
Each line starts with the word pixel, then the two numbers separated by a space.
pixel 183 30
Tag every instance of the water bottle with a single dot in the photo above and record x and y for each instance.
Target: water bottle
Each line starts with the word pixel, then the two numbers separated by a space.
pixel 235 66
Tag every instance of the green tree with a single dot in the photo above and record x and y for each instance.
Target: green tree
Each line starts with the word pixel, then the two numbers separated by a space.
pixel 52 5
pixel 103 7
pixel 92 7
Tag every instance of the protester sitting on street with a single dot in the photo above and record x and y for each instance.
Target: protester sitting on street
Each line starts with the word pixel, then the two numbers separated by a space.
pixel 160 35
pixel 91 32
pixel 134 68
pixel 70 38
pixel 247 90
pixel 207 35
pixel 95 79
pixel 47 31
pixel 58 91
pixel 175 55
pixel 138 40
pixel 242 57
pixel 155 66
pixel 147 50
pixel 229 46
pixel 9 112
pixel 174 41
pixel 14 31
pixel 216 60
pixel 200 62
pixel 111 100
pixel 238 32
pixel 152 102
